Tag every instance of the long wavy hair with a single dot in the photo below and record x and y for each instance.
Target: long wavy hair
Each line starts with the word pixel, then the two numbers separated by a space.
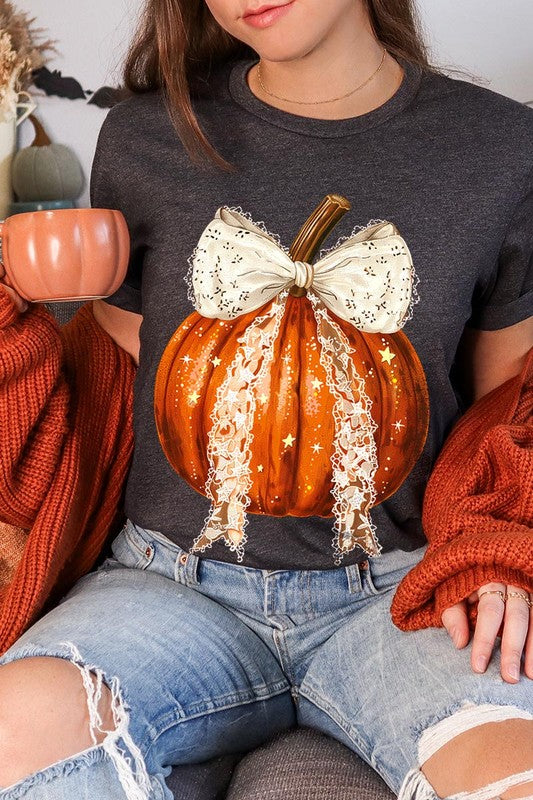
pixel 178 42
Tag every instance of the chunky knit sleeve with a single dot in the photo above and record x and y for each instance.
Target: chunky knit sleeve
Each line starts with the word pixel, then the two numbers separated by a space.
pixel 478 508
pixel 34 408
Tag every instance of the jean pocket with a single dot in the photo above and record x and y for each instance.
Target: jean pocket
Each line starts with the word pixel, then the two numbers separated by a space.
pixel 382 583
pixel 132 549
pixel 381 580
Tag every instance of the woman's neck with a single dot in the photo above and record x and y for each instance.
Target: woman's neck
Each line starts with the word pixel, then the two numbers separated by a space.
pixel 346 58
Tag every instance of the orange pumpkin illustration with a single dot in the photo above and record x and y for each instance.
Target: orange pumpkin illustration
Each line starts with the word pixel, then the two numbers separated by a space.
pixel 289 408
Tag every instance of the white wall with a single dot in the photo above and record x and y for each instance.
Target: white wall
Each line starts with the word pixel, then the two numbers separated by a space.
pixel 92 35
pixel 489 38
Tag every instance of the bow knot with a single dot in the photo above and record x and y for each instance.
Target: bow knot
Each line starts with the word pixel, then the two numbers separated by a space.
pixel 304 274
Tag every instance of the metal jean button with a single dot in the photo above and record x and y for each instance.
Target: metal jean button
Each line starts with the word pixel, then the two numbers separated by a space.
pixel 183 558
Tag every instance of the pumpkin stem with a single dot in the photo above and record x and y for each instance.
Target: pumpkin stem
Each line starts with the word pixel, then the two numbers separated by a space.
pixel 41 137
pixel 314 230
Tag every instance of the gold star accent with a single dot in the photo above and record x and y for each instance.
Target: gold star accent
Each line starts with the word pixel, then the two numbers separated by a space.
pixel 186 358
pixel 316 383
pixel 263 398
pixel 386 355
pixel 260 468
pixel 317 447
pixel 216 361
pixel 398 425
pixel 194 396
pixel 288 440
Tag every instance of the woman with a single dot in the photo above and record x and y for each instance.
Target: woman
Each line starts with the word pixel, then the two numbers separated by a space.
pixel 216 645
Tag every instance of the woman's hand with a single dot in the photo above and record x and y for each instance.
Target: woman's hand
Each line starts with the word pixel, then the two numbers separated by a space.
pixel 517 629
pixel 19 301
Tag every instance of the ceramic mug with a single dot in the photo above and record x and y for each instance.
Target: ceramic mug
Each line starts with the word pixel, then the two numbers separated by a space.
pixel 65 254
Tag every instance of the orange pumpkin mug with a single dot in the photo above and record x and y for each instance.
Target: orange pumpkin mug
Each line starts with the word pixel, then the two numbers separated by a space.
pixel 65 254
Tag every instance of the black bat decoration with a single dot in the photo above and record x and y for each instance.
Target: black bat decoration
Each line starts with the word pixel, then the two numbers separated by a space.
pixel 54 83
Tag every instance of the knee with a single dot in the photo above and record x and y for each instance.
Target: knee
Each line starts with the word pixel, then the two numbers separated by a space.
pixel 479 752
pixel 490 753
pixel 44 715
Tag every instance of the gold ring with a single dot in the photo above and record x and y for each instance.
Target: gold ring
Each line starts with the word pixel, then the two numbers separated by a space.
pixel 523 596
pixel 493 591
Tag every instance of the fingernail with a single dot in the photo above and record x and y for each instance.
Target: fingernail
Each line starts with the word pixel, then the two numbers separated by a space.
pixel 481 663
pixel 514 671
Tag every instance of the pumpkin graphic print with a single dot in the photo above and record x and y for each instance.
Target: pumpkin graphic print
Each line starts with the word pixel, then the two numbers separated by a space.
pixel 291 389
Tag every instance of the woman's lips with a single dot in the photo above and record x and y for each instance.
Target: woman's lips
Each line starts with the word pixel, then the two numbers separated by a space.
pixel 266 18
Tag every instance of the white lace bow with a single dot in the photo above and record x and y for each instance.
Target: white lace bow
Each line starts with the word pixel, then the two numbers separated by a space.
pixel 366 279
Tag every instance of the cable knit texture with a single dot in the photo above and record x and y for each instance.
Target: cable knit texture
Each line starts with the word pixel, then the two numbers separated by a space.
pixel 478 508
pixel 66 441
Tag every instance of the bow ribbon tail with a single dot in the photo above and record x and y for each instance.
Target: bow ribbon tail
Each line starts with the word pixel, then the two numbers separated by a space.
pixel 228 450
pixel 354 460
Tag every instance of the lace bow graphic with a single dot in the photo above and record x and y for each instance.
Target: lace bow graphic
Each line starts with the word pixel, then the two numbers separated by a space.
pixel 368 280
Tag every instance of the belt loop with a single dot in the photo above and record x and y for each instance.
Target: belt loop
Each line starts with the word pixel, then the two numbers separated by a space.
pixel 186 568
pixel 353 576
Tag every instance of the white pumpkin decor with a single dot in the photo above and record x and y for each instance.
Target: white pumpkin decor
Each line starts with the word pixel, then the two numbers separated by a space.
pixel 46 170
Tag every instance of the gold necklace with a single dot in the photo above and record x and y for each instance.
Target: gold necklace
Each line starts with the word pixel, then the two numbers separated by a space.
pixel 317 102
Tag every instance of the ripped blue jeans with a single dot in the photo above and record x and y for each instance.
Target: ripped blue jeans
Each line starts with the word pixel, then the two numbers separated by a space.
pixel 206 657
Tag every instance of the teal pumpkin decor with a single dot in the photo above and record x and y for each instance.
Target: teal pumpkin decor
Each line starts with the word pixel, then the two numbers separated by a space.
pixel 46 170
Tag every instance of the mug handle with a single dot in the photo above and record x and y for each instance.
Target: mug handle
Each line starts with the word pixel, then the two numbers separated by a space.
pixel 29 107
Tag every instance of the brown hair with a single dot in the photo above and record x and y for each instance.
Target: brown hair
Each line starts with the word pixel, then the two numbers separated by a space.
pixel 178 42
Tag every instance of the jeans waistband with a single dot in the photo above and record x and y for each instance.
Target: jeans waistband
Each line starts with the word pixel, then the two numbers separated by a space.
pixel 187 565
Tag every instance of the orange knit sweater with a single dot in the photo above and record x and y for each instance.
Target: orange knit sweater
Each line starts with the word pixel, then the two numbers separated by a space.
pixel 478 508
pixel 66 443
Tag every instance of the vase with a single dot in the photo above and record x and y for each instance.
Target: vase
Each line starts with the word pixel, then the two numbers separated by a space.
pixel 8 146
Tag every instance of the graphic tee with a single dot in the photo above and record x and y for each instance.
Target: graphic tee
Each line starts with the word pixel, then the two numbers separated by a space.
pixel 439 180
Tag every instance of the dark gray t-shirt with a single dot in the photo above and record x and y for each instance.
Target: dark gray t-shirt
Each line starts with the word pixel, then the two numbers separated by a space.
pixel 448 162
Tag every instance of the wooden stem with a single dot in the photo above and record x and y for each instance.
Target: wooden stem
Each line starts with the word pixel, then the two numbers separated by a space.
pixel 41 137
pixel 314 230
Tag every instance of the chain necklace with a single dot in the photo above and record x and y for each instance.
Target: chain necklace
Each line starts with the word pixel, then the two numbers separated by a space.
pixel 317 102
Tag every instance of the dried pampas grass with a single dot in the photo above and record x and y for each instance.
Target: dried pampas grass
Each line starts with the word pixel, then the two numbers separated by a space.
pixel 10 68
pixel 20 54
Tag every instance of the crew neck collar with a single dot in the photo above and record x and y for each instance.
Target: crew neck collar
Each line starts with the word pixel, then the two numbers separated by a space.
pixel 242 94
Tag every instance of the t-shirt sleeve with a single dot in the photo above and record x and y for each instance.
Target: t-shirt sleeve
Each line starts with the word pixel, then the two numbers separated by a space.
pixel 106 190
pixel 508 297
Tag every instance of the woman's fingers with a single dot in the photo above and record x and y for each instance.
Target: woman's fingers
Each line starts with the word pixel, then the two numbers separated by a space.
pixel 517 629
pixel 20 303
pixel 490 612
pixel 528 652
pixel 515 632
pixel 455 620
